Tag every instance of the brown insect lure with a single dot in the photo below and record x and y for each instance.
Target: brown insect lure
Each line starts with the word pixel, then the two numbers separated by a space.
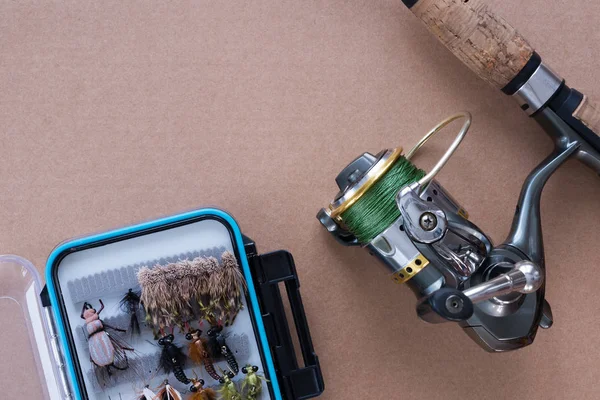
pixel 199 392
pixel 198 352
pixel 197 348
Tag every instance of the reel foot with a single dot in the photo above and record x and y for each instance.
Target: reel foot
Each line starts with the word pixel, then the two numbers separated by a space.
pixel 547 320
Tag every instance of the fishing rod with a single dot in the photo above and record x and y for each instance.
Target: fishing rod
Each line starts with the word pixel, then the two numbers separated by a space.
pixel 411 223
pixel 499 55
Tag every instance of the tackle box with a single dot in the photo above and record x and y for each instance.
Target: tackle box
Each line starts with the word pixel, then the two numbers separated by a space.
pixel 52 348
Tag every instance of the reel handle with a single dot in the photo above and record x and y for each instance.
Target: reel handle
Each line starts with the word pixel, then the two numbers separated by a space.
pixel 449 304
pixel 482 40
pixel 525 277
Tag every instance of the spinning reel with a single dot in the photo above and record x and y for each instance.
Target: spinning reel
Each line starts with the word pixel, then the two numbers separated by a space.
pixel 414 226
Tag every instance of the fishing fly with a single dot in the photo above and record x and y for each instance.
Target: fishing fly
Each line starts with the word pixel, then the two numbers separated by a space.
pixel 218 346
pixel 199 392
pixel 252 383
pixel 168 392
pixel 147 394
pixel 198 352
pixel 106 351
pixel 225 287
pixel 130 304
pixel 229 390
pixel 172 358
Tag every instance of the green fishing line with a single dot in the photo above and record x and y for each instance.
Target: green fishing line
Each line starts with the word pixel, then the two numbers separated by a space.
pixel 376 210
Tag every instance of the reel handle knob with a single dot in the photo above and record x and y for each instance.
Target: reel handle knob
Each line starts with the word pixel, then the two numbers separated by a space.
pixel 526 277
pixel 445 305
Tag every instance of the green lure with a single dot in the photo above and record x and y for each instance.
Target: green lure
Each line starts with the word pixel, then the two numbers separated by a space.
pixel 229 390
pixel 252 384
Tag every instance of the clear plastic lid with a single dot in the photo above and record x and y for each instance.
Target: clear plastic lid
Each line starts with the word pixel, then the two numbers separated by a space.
pixel 29 351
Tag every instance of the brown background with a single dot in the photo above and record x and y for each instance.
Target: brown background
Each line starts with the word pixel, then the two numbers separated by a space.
pixel 112 113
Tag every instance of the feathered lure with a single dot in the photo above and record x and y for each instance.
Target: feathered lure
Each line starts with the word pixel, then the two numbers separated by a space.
pixel 173 293
pixel 130 304
pixel 197 347
pixel 217 347
pixel 172 358
pixel 252 384
pixel 156 297
pixel 201 393
pixel 208 269
pixel 198 352
pixel 225 287
pixel 188 279
pixel 229 390
pixel 169 293
pixel 180 283
pixel 147 394
pixel 168 392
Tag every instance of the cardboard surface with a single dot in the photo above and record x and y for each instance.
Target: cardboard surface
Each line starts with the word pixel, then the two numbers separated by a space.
pixel 112 113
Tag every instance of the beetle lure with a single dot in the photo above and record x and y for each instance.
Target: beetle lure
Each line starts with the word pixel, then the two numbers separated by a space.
pixel 168 392
pixel 218 347
pixel 130 304
pixel 199 392
pixel 252 383
pixel 172 358
pixel 229 390
pixel 198 352
pixel 107 352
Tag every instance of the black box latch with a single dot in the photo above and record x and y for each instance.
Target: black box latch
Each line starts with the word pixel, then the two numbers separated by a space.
pixel 269 270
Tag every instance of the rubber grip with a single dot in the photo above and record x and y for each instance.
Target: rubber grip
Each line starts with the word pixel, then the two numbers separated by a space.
pixel 588 113
pixel 485 42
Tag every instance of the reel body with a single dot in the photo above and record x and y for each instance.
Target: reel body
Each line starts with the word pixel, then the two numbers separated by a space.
pixel 496 294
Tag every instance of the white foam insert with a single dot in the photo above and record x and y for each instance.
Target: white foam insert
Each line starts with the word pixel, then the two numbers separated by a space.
pixel 192 237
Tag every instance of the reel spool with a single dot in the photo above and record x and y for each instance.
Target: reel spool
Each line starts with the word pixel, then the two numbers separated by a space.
pixel 401 215
pixel 366 211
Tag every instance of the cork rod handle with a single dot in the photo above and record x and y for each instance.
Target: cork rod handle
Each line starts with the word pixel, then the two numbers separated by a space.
pixel 485 42
pixel 588 112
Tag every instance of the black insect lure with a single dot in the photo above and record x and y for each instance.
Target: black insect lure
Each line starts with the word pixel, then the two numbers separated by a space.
pixel 218 347
pixel 130 304
pixel 172 358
